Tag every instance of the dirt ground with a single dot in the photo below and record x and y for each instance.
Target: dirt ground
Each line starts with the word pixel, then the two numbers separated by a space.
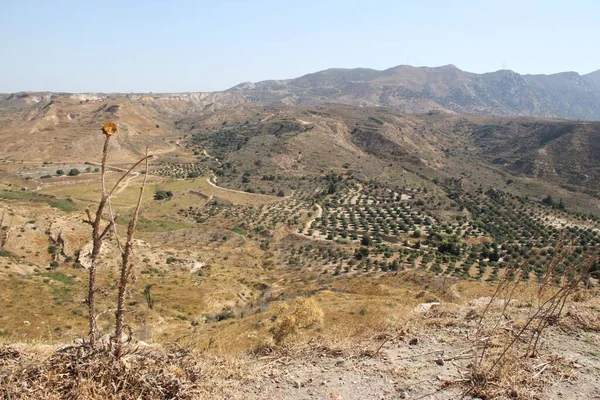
pixel 404 371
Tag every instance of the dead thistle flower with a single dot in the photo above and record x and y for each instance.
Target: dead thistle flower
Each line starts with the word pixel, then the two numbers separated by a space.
pixel 109 128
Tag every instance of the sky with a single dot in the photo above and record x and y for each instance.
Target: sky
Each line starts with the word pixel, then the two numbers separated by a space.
pixel 186 46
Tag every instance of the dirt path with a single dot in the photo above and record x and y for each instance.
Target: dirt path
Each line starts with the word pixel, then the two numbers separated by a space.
pixel 354 199
pixel 123 185
pixel 267 118
pixel 108 167
pixel 213 184
pixel 205 153
pixel 317 215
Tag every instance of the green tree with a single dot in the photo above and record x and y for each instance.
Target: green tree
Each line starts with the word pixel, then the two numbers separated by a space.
pixel 361 253
pixel 548 201
pixel 366 240
pixel 162 194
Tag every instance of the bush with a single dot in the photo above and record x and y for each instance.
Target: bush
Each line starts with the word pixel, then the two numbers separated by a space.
pixel 5 253
pixel 294 316
pixel 74 172
pixel 224 315
pixel 60 172
pixel 162 194
pixel 366 240
pixel 361 253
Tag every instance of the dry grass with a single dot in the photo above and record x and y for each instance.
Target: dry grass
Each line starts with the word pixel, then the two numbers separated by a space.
pixel 294 316
pixel 508 360
pixel 78 372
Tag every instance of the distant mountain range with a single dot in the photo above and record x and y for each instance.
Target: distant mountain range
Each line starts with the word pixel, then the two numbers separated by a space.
pixel 566 95
pixel 421 89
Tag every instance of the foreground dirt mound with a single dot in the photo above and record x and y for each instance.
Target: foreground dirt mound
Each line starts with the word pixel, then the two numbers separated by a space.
pixel 434 359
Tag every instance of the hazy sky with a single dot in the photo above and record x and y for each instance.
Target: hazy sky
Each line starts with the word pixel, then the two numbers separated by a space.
pixel 175 46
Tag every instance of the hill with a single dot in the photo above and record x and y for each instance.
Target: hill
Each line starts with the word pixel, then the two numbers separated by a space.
pixel 552 155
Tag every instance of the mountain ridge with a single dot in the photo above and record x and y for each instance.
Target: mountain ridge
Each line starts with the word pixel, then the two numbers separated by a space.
pixel 565 95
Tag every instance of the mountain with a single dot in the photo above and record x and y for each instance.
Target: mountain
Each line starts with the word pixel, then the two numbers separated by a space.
pixel 421 89
pixel 566 95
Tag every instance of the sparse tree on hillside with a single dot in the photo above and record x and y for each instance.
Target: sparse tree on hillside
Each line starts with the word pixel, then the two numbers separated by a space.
pixel 366 240
pixel 548 201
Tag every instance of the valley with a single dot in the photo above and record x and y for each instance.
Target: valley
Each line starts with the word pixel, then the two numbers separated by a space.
pixel 376 226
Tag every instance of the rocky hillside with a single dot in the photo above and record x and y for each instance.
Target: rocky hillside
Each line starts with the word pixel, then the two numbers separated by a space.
pixel 373 142
pixel 386 144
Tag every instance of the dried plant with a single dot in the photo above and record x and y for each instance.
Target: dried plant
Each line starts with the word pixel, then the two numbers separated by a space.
pixel 515 346
pixel 294 316
pixel 100 233
pixel 126 266
pixel 80 372
pixel 4 233
pixel 148 295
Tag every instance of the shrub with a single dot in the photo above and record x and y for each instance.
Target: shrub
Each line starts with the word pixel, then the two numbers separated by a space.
pixel 361 253
pixel 74 172
pixel 5 253
pixel 366 240
pixel 294 316
pixel 162 194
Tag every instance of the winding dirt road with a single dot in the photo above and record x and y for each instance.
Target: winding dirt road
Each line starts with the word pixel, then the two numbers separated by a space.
pixel 317 215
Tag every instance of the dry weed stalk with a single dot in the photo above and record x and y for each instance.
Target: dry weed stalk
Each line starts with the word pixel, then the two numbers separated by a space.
pixel 98 233
pixel 126 266
pixel 4 232
pixel 554 290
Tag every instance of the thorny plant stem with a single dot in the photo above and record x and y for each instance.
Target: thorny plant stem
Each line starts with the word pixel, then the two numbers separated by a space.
pixel 97 239
pixel 126 266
